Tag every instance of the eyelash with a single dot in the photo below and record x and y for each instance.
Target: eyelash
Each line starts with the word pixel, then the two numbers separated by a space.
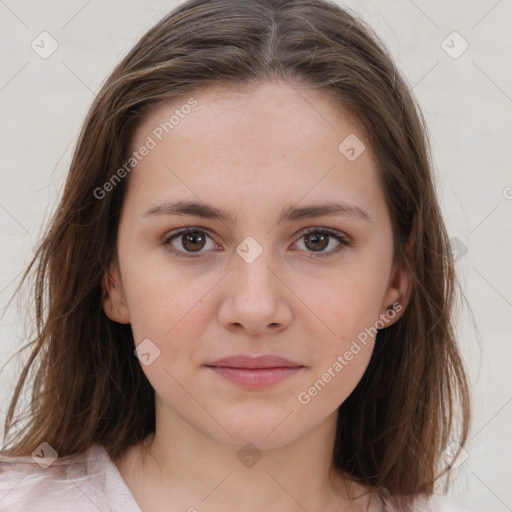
pixel 338 236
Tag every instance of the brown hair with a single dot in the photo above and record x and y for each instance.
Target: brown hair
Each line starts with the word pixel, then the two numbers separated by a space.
pixel 89 386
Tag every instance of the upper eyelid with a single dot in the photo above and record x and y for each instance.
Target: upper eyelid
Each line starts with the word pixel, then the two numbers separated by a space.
pixel 186 229
pixel 302 232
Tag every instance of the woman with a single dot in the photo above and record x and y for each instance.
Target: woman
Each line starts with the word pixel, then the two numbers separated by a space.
pixel 249 281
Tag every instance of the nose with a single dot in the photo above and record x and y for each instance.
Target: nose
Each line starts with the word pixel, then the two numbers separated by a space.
pixel 254 300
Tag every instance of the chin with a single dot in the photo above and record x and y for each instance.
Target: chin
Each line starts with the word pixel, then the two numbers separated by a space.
pixel 265 432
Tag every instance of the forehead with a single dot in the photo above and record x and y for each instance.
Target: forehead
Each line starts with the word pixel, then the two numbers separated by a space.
pixel 252 111
pixel 273 141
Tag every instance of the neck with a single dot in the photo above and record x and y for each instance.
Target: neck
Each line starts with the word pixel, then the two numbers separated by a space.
pixel 181 466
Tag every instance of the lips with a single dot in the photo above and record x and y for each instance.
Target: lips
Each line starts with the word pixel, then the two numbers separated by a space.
pixel 251 362
pixel 255 372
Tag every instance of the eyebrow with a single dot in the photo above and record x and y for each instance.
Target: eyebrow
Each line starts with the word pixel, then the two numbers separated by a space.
pixel 288 214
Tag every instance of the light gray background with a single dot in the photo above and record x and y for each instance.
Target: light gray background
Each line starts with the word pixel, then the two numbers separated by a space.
pixel 467 102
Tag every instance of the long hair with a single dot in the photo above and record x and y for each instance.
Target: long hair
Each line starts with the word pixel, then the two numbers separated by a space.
pixel 89 387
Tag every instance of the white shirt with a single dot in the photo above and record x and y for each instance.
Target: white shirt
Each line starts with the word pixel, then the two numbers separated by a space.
pixel 91 482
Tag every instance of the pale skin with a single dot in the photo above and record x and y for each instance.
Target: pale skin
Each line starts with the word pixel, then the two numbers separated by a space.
pixel 252 153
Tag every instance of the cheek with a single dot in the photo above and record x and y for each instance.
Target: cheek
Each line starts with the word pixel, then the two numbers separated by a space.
pixel 347 301
pixel 345 309
pixel 346 315
pixel 343 355
pixel 170 308
pixel 174 320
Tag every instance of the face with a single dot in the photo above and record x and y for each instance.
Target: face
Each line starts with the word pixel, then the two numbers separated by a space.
pixel 265 268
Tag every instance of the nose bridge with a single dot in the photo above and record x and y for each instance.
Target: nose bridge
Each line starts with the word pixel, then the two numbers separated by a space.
pixel 251 264
pixel 254 299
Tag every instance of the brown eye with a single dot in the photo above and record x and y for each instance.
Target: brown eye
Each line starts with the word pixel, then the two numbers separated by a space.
pixel 189 241
pixel 322 242
pixel 193 241
pixel 316 241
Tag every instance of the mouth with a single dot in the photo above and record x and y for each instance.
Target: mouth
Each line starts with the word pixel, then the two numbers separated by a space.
pixel 255 377
pixel 255 371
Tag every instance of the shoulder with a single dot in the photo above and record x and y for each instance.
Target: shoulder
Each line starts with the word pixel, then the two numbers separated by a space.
pixel 30 484
pixel 437 503
pixel 422 503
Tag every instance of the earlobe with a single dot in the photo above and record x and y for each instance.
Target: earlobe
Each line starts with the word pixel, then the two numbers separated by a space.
pixel 398 294
pixel 113 299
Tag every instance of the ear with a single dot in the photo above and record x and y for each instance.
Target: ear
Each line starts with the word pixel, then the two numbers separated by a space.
pixel 113 299
pixel 398 293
